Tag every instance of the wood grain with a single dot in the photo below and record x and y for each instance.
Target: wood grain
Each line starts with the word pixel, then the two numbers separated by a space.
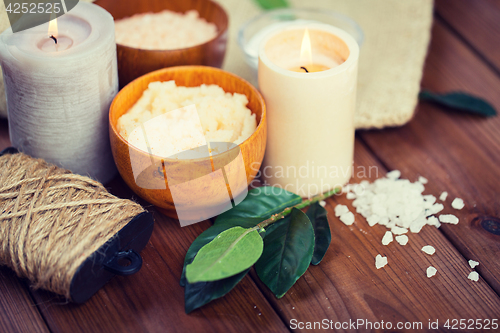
pixel 478 22
pixel 347 286
pixel 153 301
pixel 458 153
pixel 133 62
pixel 18 313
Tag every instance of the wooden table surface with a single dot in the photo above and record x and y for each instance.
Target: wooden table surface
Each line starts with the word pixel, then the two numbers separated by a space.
pixel 458 153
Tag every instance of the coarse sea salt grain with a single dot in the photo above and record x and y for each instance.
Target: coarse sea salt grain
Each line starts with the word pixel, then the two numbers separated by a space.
pixel 402 239
pixel 341 209
pixel 395 203
pixel 432 220
pixel 350 196
pixel 458 203
pixel 387 238
pixel 347 218
pixel 399 205
pixel 398 230
pixel 448 218
pixel 431 271
pixel 322 203
pixel 473 263
pixel 474 276
pixel 380 261
pixel 394 174
pixel 430 250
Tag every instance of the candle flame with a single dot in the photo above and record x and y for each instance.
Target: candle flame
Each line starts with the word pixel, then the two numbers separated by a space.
pixel 53 28
pixel 305 49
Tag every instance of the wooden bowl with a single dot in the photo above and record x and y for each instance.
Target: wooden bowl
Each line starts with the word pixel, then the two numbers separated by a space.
pixel 205 198
pixel 133 63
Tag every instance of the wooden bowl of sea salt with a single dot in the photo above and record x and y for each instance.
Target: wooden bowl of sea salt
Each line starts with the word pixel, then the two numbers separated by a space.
pixel 198 186
pixel 155 34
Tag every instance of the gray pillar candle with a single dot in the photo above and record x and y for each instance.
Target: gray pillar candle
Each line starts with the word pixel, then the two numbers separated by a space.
pixel 58 95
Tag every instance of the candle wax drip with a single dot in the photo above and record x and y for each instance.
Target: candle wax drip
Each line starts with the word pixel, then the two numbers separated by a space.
pixel 49 44
pixel 310 68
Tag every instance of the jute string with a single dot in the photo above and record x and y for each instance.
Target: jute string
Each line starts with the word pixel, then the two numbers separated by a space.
pixel 52 220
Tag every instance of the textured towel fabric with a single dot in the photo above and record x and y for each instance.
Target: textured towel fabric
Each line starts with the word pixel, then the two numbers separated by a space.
pixel 392 56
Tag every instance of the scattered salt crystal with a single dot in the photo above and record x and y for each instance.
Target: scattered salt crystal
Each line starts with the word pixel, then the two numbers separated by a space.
pixel 394 174
pixel 436 208
pixel 458 203
pixel 418 224
pixel 380 261
pixel 350 196
pixel 387 238
pixel 430 250
pixel 402 239
pixel 347 218
pixel 429 200
pixel 341 209
pixel 443 196
pixel 383 220
pixel 372 220
pixel 473 263
pixel 322 203
pixel 431 271
pixel 473 276
pixel 422 180
pixel 448 218
pixel 398 230
pixel 432 220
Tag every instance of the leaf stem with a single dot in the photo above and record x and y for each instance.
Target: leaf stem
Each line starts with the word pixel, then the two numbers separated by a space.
pixel 301 205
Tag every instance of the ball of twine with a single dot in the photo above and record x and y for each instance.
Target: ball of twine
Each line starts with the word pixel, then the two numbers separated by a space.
pixel 52 220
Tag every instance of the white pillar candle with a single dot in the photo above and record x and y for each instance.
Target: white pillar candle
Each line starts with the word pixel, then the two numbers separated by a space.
pixel 310 142
pixel 58 95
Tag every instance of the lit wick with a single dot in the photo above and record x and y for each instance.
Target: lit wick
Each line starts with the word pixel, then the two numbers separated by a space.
pixel 53 38
pixel 300 68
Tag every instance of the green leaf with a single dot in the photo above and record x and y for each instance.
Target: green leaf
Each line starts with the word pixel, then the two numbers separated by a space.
pixel 460 101
pixel 261 202
pixel 231 252
pixel 288 250
pixel 208 235
pixel 322 234
pixel 198 294
pixel 272 4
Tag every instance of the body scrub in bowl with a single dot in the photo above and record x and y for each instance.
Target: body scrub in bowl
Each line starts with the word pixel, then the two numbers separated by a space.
pixel 165 30
pixel 152 34
pixel 189 139
pixel 217 117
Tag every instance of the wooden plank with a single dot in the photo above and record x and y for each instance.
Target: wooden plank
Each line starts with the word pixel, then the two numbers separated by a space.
pixel 18 313
pixel 153 301
pixel 457 153
pixel 346 286
pixel 476 21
